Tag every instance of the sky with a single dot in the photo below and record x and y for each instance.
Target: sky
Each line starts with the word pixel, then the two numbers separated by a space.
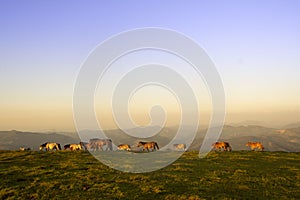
pixel 255 46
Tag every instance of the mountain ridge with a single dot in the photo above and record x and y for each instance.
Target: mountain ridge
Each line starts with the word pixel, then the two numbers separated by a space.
pixel 273 139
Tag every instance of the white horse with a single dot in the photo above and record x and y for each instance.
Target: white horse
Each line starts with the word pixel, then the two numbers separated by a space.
pixel 179 147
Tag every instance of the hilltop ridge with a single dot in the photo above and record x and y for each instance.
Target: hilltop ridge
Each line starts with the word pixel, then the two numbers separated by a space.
pixel 273 139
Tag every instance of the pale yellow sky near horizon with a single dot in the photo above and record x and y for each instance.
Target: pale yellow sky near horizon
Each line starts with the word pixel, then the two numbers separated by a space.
pixel 60 117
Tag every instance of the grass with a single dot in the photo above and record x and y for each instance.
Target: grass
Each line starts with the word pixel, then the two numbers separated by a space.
pixel 220 175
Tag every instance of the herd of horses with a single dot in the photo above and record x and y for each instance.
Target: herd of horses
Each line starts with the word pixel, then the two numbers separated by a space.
pixel 224 146
pixel 96 144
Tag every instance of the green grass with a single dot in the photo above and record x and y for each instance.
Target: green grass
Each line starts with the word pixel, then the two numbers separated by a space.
pixel 220 175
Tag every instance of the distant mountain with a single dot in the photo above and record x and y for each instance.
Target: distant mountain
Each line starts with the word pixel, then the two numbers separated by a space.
pixel 292 125
pixel 273 139
pixel 12 140
pixel 254 123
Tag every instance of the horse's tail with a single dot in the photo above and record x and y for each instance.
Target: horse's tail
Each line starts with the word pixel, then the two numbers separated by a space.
pixel 59 147
pixel 156 145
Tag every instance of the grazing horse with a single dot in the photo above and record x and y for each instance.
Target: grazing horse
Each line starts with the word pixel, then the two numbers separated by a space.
pixel 24 149
pixel 50 146
pixel 148 145
pixel 179 146
pixel 255 145
pixel 73 147
pixel 125 147
pixel 97 144
pixel 222 146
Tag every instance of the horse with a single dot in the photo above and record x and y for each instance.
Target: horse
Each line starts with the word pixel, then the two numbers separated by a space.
pixel 148 145
pixel 50 146
pixel 124 147
pixel 179 147
pixel 222 146
pixel 75 147
pixel 24 149
pixel 255 145
pixel 97 144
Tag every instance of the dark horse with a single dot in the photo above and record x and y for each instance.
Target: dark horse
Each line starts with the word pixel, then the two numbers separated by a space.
pixel 148 145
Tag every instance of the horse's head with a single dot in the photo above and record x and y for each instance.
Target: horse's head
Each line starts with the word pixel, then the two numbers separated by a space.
pixel 248 144
pixel 41 147
pixel 66 146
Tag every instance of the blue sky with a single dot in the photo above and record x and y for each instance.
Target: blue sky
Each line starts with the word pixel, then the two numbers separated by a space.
pixel 254 44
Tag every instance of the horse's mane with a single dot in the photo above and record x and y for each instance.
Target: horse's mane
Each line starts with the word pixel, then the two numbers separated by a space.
pixel 143 142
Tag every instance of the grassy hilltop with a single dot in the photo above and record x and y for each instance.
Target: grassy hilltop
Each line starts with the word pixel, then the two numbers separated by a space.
pixel 220 175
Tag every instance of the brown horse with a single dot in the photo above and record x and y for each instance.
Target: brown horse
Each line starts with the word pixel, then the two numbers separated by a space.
pixel 255 145
pixel 125 147
pixel 48 146
pixel 24 149
pixel 148 145
pixel 73 147
pixel 179 147
pixel 98 144
pixel 222 146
